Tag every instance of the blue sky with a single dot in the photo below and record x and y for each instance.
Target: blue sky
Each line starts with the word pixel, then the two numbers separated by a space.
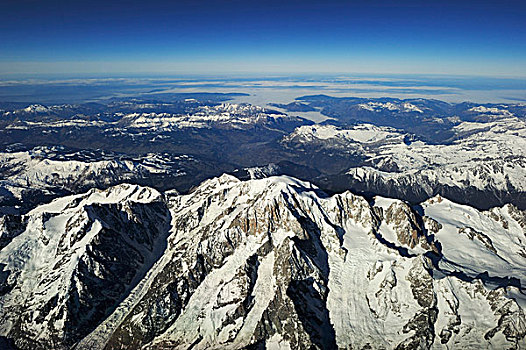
pixel 222 37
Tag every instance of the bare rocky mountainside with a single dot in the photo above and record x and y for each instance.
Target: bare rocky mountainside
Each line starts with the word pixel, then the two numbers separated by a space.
pixel 266 263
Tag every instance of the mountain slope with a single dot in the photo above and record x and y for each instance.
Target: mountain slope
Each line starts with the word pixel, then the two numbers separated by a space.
pixel 483 164
pixel 276 262
pixel 75 260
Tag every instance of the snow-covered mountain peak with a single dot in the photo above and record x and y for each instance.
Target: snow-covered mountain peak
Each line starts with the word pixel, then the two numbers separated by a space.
pixel 43 170
pixel 409 107
pixel 225 115
pixel 259 172
pixel 216 183
pixel 117 194
pixel 36 108
pixel 235 108
pixel 488 156
pixel 330 134
pixel 390 106
pixel 491 110
pixel 231 263
pixel 234 191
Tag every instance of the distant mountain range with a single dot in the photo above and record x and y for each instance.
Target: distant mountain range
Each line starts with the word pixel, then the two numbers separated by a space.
pixel 408 149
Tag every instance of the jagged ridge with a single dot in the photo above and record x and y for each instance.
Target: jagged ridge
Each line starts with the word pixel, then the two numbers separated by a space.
pixel 276 262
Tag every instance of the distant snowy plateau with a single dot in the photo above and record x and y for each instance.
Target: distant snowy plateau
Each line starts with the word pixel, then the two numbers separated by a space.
pixel 194 223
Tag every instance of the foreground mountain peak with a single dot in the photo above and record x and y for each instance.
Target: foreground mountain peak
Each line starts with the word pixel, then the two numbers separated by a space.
pixel 267 263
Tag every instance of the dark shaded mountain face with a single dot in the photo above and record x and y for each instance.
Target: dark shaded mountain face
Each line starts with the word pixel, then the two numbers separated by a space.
pixel 409 149
pixel 267 263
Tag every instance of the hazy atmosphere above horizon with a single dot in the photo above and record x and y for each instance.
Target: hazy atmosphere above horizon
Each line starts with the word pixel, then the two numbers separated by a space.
pixel 486 38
